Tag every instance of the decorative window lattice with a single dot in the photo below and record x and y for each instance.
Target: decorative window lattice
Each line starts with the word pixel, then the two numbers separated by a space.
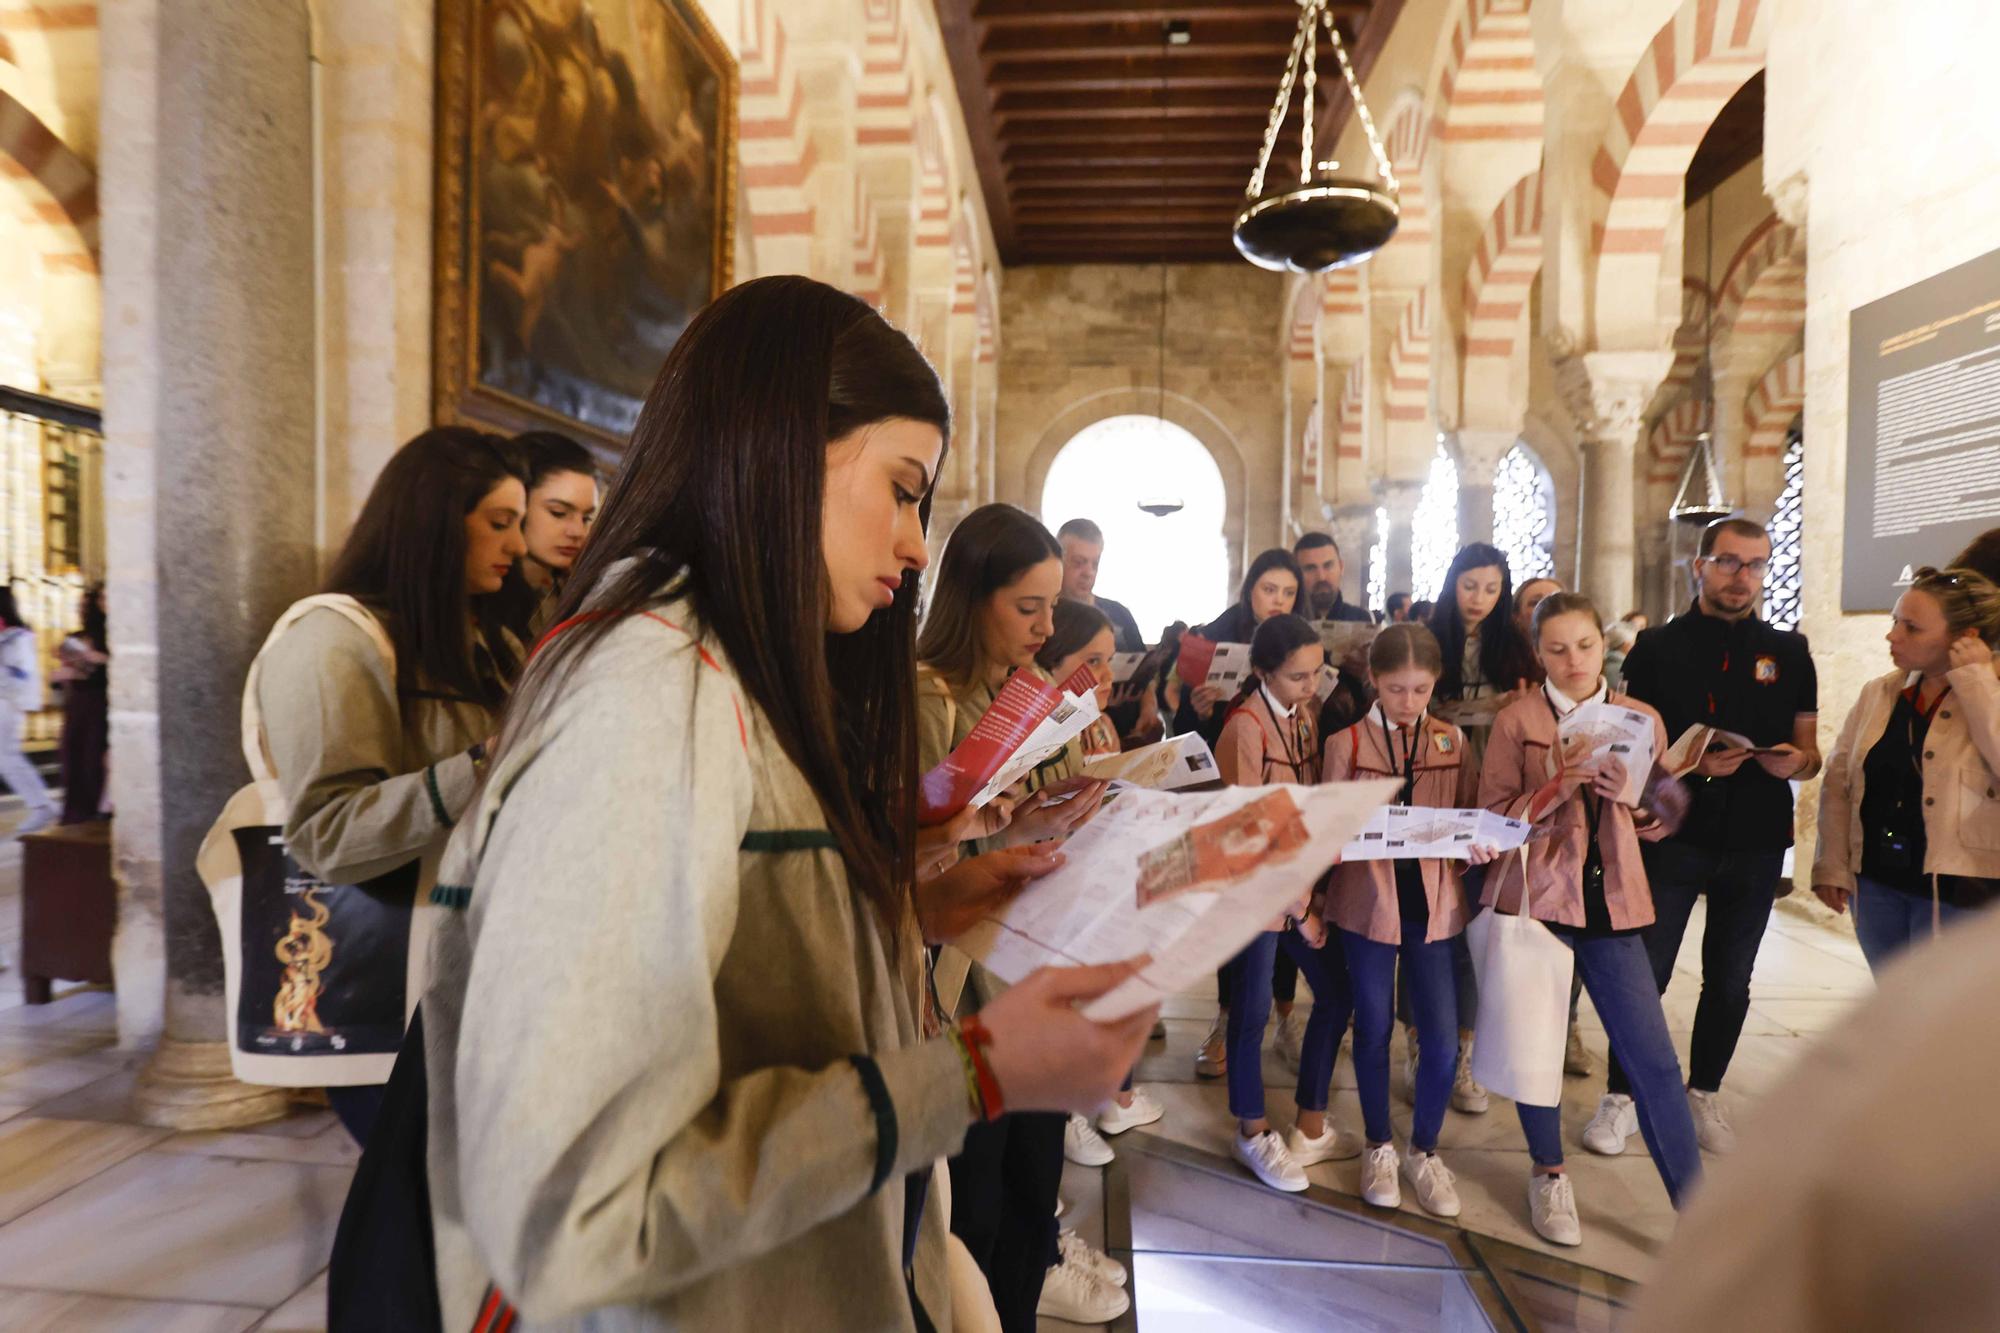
pixel 1434 528
pixel 1524 519
pixel 1378 565
pixel 1783 588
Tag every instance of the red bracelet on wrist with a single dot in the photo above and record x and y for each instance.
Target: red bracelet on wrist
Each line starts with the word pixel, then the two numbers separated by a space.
pixel 977 1038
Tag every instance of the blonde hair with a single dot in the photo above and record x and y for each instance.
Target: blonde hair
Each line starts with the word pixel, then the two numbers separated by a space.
pixel 1968 599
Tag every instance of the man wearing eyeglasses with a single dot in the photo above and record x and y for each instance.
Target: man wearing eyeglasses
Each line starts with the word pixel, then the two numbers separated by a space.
pixel 1720 665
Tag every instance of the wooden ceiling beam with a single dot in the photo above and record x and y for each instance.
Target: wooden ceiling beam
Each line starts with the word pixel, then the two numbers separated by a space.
pixel 1124 73
pixel 1129 104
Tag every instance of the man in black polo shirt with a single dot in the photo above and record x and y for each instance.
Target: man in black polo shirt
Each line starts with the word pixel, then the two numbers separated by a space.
pixel 1719 665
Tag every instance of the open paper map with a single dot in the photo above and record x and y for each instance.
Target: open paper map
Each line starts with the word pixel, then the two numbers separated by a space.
pixel 1188 878
pixel 1343 637
pixel 1595 730
pixel 1180 761
pixel 1684 754
pixel 1398 831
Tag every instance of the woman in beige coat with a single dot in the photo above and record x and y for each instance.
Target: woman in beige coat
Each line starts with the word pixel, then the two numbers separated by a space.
pixel 1909 812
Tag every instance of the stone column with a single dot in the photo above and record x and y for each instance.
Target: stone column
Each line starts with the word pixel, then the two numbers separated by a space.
pixel 1605 393
pixel 207 195
pixel 1400 499
pixel 1479 455
pixel 1354 533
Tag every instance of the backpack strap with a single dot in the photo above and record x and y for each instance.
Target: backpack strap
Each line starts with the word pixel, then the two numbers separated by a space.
pixel 256 740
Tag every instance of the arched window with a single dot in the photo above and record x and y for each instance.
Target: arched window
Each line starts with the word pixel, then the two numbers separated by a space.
pixel 1166 566
pixel 1524 515
pixel 1785 584
pixel 1378 565
pixel 1434 527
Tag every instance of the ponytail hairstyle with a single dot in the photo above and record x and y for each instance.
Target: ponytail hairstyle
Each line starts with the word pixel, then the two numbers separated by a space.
pixel 1272 645
pixel 1968 599
pixel 1076 625
pixel 1405 644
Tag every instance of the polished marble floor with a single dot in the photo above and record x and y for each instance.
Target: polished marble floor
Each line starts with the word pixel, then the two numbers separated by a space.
pixel 106 1224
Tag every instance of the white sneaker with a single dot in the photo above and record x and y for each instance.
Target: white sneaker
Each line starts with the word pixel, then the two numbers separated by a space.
pixel 1084 1145
pixel 1290 1040
pixel 1076 1250
pixel 1436 1186
pixel 1267 1159
pixel 1378 1177
pixel 1116 1119
pixel 1074 1293
pixel 1552 1208
pixel 1711 1122
pixel 1466 1095
pixel 1333 1145
pixel 1617 1120
pixel 1212 1060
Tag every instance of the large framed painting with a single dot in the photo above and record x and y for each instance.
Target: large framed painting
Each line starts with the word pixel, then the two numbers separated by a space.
pixel 586 183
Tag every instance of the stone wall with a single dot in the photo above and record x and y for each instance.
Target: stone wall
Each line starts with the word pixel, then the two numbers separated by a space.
pixel 1081 342
pixel 1879 142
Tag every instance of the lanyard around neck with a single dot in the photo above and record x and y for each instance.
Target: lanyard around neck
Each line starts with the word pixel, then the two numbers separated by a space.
pixel 1412 744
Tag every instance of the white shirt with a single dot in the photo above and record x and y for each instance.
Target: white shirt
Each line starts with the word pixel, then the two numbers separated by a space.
pixel 1566 705
pixel 1283 714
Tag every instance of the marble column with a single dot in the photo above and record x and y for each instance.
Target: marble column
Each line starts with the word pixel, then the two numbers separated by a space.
pixel 1400 499
pixel 1354 532
pixel 1606 393
pixel 207 192
pixel 1479 455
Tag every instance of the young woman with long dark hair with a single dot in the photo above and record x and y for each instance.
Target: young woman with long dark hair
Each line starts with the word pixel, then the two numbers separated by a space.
pixel 562 504
pixel 377 767
pixel 683 1071
pixel 1083 636
pixel 992 611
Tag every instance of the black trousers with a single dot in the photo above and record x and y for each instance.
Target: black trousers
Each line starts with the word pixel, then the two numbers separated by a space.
pixel 1003 1206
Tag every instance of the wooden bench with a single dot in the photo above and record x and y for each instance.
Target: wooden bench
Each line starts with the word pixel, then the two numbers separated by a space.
pixel 69 906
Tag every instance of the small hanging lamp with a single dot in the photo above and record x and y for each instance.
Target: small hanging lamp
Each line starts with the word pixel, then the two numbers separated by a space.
pixel 1323 220
pixel 1701 499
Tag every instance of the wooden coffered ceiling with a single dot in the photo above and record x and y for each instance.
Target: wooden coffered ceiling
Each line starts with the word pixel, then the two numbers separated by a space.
pixel 1099 142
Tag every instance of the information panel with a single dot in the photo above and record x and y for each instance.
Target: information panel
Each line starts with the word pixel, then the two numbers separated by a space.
pixel 1923 429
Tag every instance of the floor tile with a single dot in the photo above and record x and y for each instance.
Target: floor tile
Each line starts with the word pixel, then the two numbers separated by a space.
pixel 189 1228
pixel 332 1146
pixel 39 1159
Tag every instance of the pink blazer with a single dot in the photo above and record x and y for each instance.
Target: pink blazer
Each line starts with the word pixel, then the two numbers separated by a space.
pixel 1362 895
pixel 1520 759
pixel 1257 747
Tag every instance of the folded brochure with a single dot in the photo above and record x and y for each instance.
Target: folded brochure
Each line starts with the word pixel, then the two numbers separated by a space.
pixel 1399 831
pixel 1187 878
pixel 1206 662
pixel 1685 754
pixel 1028 723
pixel 1597 730
pixel 1179 761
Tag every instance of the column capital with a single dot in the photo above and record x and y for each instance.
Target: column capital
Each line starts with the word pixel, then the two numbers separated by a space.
pixel 1606 392
pixel 1480 452
pixel 1399 498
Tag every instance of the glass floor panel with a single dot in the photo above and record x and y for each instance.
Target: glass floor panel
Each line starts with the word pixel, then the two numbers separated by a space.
pixel 1213 1251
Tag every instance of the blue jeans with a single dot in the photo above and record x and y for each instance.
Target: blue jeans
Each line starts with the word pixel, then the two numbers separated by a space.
pixel 1250 1009
pixel 1888 922
pixel 1463 977
pixel 1619 978
pixel 1427 971
pixel 1740 887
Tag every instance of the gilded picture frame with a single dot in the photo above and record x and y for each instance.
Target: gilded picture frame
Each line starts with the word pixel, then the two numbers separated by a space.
pixel 584 209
